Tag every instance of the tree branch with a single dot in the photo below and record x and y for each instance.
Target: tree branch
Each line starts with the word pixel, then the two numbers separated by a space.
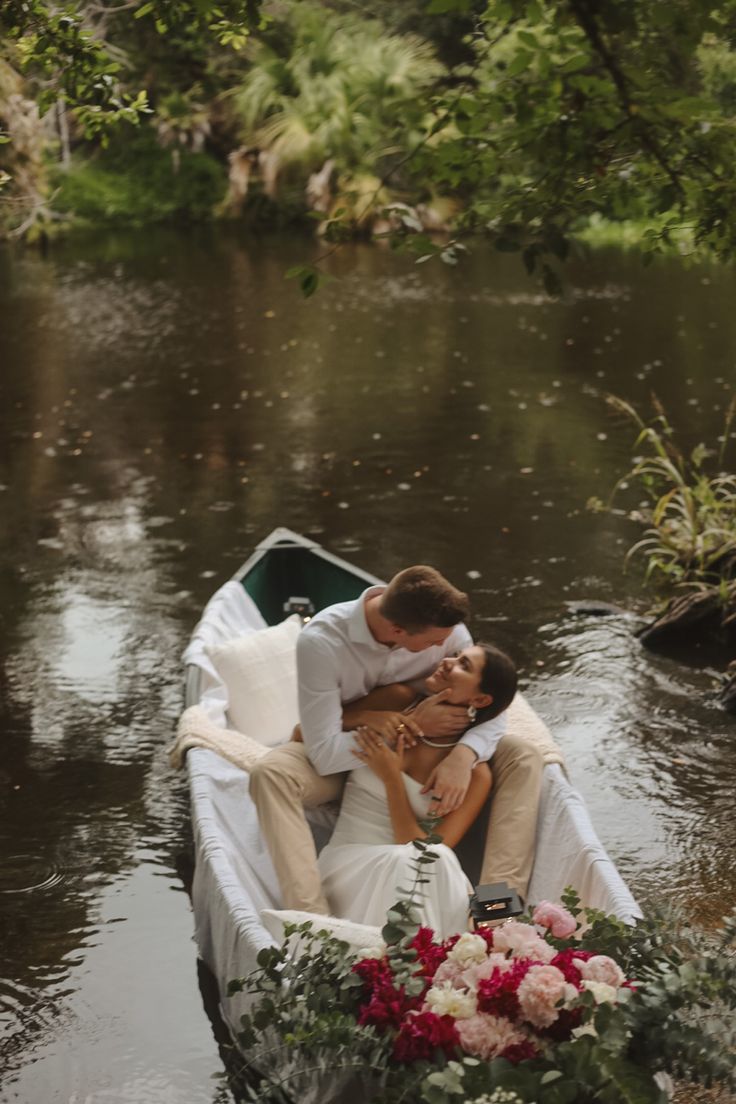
pixel 587 22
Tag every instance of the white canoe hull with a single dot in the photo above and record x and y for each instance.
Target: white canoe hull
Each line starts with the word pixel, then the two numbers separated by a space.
pixel 234 878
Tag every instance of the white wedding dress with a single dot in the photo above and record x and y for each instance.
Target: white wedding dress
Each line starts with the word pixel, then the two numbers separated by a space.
pixel 363 870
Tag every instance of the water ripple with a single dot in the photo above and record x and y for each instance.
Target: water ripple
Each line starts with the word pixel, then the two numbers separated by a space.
pixel 22 874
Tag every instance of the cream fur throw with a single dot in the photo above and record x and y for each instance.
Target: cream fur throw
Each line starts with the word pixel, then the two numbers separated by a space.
pixel 195 729
pixel 523 721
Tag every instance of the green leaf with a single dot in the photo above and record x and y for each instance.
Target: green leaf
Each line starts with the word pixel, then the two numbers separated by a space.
pixel 550 1076
pixel 551 281
pixel 443 7
pixel 519 63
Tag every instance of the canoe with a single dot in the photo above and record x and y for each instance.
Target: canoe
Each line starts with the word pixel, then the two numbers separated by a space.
pixel 234 881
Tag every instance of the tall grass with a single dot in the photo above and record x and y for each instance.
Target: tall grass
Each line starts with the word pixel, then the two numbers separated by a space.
pixel 689 541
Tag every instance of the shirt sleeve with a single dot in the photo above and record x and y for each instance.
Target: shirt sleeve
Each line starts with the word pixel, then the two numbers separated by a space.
pixel 483 739
pixel 330 750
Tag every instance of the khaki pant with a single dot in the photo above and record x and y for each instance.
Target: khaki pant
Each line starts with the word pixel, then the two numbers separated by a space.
pixel 284 783
pixel 517 767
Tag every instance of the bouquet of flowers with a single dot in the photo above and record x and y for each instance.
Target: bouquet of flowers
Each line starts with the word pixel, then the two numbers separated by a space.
pixel 565 1006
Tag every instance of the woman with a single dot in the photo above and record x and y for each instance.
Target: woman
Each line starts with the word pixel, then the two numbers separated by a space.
pixel 370 859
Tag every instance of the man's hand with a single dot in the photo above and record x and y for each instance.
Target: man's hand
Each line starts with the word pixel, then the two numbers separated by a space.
pixel 390 725
pixel 437 718
pixel 449 781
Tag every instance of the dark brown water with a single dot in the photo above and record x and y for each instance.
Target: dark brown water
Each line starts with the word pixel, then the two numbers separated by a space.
pixel 167 399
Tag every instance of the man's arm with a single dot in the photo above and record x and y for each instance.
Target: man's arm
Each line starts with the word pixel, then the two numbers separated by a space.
pixel 330 750
pixel 450 779
pixel 483 739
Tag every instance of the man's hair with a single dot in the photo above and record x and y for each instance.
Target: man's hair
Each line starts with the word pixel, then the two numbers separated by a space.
pixel 419 598
pixel 499 679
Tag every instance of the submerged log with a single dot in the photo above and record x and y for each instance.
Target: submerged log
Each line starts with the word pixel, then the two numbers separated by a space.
pixel 700 611
pixel 727 696
pixel 589 607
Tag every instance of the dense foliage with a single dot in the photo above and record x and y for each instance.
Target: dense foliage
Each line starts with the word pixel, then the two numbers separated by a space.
pixel 517 118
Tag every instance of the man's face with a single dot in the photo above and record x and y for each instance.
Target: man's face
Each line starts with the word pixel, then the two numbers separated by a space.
pixel 418 642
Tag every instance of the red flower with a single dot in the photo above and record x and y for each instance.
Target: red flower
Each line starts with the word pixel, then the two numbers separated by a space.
pixel 519 1052
pixel 373 971
pixel 563 962
pixel 429 953
pixel 487 934
pixel 385 1009
pixel 497 994
pixel 385 1005
pixel 561 1030
pixel 422 1033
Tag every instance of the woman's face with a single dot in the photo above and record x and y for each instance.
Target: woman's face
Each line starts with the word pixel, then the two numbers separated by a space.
pixel 460 674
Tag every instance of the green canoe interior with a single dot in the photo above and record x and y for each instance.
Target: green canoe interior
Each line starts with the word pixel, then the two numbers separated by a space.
pixel 283 573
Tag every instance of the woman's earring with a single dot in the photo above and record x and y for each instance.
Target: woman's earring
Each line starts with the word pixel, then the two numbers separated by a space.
pixel 472 713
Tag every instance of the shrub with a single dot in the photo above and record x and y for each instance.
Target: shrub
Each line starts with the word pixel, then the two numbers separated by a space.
pixel 136 182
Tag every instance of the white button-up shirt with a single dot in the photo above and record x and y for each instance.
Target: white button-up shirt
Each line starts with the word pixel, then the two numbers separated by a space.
pixel 338 659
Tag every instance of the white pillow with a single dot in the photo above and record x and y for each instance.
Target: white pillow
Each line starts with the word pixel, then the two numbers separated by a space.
pixel 259 672
pixel 357 935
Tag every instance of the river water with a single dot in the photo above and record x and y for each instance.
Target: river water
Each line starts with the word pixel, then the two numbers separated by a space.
pixel 166 399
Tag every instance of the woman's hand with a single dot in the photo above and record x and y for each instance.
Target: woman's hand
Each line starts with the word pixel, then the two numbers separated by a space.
pixel 390 725
pixel 376 754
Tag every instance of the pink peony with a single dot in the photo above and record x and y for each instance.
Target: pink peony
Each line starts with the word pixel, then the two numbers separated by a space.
pixel 486 1036
pixel 539 993
pixel 604 969
pixel 556 918
pixel 449 971
pixel 522 941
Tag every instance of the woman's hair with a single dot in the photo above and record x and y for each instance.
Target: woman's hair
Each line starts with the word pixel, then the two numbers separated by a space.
pixel 419 598
pixel 498 678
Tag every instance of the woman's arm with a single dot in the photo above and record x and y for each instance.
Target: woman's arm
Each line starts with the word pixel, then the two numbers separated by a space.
pixel 453 827
pixel 387 764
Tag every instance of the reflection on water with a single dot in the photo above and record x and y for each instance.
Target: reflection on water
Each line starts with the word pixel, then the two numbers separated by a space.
pixel 165 400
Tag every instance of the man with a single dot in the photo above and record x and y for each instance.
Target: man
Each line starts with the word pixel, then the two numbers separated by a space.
pixel 398 633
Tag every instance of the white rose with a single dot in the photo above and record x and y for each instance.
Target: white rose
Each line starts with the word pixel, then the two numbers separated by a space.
pixel 571 995
pixel 444 1000
pixel 602 993
pixel 468 949
pixel 376 951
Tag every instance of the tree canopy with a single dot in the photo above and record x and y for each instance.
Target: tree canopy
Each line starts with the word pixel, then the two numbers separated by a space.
pixel 528 115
